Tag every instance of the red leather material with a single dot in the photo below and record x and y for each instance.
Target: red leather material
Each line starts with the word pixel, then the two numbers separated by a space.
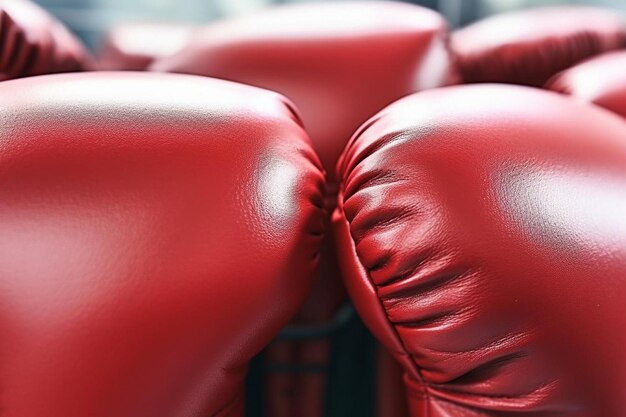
pixel 32 42
pixel 530 46
pixel 339 62
pixel 134 46
pixel 156 232
pixel 600 80
pixel 483 240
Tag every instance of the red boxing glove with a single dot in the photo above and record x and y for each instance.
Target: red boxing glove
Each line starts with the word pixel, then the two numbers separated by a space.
pixel 34 43
pixel 600 80
pixel 340 63
pixel 530 46
pixel 157 231
pixel 482 236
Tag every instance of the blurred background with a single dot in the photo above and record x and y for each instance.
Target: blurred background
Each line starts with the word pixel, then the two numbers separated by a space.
pixel 90 18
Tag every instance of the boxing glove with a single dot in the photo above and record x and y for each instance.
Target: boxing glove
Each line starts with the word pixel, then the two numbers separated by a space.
pixel 530 46
pixel 134 46
pixel 600 80
pixel 483 240
pixel 340 63
pixel 156 232
pixel 34 43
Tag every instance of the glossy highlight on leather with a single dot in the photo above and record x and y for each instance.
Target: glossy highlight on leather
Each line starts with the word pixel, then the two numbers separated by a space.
pixel 156 232
pixel 340 63
pixel 482 239
pixel 600 80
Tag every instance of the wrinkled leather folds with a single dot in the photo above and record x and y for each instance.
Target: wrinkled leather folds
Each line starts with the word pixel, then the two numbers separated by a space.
pixel 32 42
pixel 530 46
pixel 482 237
pixel 340 63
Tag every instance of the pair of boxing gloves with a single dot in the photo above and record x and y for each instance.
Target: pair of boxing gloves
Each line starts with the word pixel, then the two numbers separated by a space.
pixel 525 48
pixel 158 231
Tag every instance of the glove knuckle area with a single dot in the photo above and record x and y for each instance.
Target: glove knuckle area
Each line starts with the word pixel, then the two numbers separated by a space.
pixel 449 242
pixel 157 231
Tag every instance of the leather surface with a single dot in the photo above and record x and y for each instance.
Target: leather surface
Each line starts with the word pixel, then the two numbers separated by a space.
pixel 339 62
pixel 600 80
pixel 483 239
pixel 134 46
pixel 156 231
pixel 530 46
pixel 32 42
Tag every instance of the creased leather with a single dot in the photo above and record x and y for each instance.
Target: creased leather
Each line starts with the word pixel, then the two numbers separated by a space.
pixel 530 46
pixel 482 239
pixel 32 42
pixel 340 63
